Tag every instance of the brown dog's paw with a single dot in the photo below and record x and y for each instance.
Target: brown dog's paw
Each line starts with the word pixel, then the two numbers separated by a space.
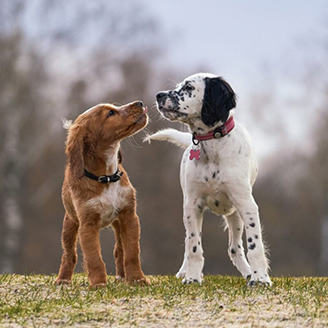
pixel 119 279
pixel 98 286
pixel 143 281
pixel 63 281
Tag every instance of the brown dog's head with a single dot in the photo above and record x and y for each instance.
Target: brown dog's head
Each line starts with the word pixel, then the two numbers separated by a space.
pixel 99 128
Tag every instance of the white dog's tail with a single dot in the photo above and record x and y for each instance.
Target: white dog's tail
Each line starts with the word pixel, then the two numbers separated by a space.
pixel 181 139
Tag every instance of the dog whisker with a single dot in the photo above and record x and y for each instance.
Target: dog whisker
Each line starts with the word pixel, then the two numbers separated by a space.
pixel 133 143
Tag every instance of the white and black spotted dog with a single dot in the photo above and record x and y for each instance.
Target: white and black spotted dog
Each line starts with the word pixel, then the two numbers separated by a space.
pixel 218 171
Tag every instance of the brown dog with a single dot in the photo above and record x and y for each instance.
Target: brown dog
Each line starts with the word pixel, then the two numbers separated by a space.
pixel 97 193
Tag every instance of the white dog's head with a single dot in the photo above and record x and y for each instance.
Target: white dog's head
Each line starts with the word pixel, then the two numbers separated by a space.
pixel 202 100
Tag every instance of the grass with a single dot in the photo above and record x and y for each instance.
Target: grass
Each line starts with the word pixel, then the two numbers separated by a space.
pixel 221 301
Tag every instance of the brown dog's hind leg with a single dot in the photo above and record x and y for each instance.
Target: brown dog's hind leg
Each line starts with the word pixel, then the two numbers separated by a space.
pixel 130 233
pixel 69 257
pixel 93 262
pixel 118 251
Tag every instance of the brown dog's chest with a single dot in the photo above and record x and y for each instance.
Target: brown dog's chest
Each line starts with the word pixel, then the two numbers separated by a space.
pixel 109 203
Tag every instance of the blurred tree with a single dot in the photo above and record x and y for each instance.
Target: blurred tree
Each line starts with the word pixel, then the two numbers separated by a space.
pixel 22 104
pixel 289 223
pixel 316 183
pixel 20 82
pixel 67 60
pixel 293 191
pixel 59 58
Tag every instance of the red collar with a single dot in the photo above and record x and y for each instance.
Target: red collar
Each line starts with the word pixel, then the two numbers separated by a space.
pixel 219 132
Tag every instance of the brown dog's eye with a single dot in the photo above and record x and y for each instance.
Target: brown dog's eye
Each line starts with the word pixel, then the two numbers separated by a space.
pixel 111 113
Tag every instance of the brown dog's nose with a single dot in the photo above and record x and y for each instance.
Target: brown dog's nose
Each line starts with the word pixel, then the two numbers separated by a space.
pixel 138 104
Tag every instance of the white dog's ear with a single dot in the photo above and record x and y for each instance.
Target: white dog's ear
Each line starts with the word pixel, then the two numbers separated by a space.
pixel 219 99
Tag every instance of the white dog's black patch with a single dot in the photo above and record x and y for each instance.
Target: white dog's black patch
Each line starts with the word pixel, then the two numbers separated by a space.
pixel 219 99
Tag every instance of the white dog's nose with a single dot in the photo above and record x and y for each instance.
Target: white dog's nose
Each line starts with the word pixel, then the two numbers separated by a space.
pixel 160 95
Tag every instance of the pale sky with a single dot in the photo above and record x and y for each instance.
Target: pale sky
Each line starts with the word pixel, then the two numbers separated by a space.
pixel 236 37
pixel 250 43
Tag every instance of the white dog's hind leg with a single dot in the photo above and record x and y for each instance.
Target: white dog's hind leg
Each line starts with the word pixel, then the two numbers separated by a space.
pixel 248 210
pixel 236 249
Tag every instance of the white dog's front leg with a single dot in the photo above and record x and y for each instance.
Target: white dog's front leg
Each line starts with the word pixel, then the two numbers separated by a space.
pixel 191 269
pixel 183 270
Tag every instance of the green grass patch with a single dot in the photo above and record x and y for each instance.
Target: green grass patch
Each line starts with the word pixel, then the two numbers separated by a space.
pixel 221 301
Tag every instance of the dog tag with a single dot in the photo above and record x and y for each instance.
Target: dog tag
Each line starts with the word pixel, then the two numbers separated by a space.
pixel 194 154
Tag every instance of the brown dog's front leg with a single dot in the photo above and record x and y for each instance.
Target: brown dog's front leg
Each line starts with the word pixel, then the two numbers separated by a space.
pixel 130 233
pixel 69 257
pixel 118 251
pixel 90 244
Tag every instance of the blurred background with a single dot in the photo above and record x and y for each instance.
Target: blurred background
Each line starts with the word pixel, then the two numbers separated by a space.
pixel 58 58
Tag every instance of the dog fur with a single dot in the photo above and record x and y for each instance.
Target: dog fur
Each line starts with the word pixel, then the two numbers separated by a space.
pixel 220 181
pixel 93 143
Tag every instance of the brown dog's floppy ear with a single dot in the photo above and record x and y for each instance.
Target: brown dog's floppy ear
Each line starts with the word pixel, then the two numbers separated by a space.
pixel 74 151
pixel 219 99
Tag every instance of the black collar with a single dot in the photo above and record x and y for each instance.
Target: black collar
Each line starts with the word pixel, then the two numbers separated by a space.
pixel 104 178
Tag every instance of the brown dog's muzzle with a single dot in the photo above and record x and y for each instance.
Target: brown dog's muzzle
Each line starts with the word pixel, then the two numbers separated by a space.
pixel 136 112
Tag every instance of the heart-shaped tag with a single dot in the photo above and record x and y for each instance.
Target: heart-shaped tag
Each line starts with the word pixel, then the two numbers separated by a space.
pixel 194 154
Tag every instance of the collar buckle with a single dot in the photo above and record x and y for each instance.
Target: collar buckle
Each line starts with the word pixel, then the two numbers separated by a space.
pixel 104 179
pixel 220 132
